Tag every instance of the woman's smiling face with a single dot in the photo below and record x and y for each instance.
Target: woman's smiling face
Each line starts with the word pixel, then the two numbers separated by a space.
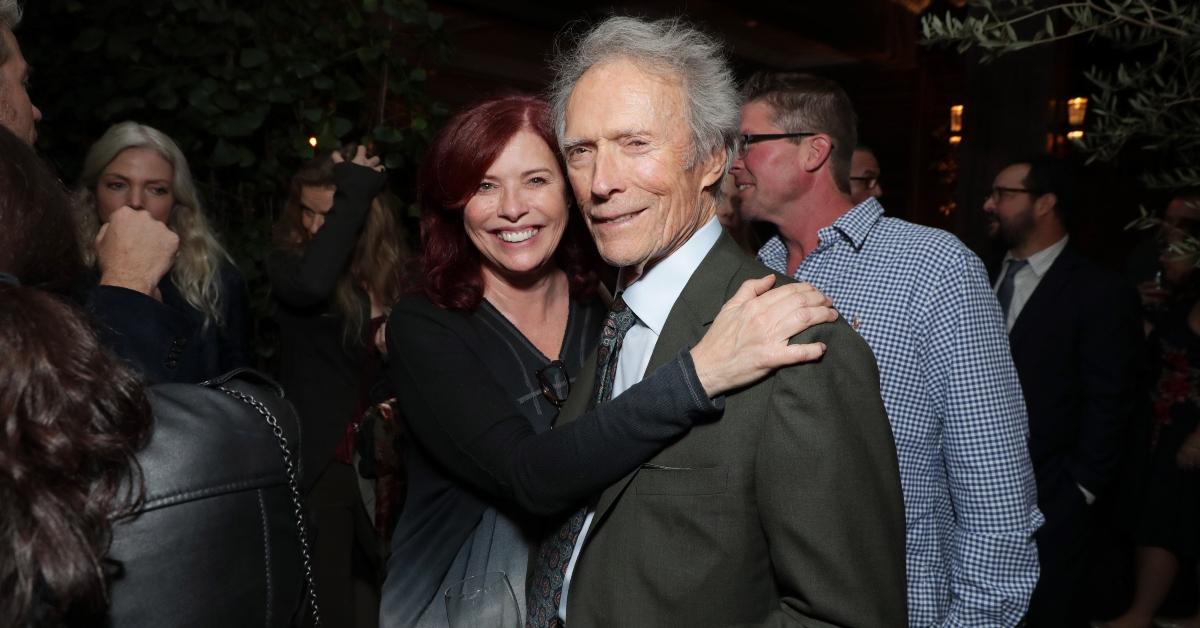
pixel 519 213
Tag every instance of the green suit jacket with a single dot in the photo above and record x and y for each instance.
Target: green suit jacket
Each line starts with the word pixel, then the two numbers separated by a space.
pixel 786 512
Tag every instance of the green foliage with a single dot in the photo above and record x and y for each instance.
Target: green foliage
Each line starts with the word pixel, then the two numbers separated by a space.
pixel 1144 111
pixel 241 86
pixel 1150 104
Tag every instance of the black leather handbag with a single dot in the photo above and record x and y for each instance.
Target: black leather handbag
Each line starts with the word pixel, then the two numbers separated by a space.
pixel 221 538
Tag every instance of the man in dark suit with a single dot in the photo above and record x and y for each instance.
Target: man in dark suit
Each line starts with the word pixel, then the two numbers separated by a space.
pixel 1075 336
pixel 788 510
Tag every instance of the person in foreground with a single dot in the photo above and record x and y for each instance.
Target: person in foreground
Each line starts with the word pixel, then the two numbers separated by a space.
pixel 73 416
pixel 788 510
pixel 484 356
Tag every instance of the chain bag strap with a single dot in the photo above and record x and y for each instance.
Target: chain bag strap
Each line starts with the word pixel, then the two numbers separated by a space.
pixel 293 486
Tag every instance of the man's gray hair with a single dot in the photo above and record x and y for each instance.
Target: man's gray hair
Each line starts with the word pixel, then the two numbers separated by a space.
pixel 668 46
pixel 10 17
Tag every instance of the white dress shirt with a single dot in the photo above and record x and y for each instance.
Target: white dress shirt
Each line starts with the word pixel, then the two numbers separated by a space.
pixel 1027 279
pixel 651 298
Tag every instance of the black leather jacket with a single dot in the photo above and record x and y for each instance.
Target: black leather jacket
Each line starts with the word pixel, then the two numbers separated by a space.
pixel 216 543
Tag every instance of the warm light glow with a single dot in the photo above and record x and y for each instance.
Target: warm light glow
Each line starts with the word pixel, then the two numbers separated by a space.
pixel 312 141
pixel 956 113
pixel 1074 135
pixel 1076 111
pixel 955 140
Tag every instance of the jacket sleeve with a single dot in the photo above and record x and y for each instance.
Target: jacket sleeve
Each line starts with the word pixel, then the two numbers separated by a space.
pixel 309 279
pixel 972 383
pixel 1109 366
pixel 468 423
pixel 828 486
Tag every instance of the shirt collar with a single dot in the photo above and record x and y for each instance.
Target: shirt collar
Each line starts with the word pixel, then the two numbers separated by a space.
pixel 856 224
pixel 652 295
pixel 1041 261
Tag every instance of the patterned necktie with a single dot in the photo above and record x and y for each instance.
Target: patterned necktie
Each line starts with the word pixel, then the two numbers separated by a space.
pixel 554 554
pixel 1005 293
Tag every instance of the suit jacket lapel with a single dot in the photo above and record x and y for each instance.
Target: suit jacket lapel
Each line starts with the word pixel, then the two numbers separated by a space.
pixel 690 317
pixel 1043 296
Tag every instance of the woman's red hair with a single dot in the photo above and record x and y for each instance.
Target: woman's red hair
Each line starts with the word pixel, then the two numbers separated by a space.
pixel 454 165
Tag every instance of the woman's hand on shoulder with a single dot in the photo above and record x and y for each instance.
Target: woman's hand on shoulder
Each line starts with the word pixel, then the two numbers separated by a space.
pixel 750 336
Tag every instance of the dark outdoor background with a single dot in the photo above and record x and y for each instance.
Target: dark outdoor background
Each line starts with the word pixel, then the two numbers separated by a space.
pixel 243 86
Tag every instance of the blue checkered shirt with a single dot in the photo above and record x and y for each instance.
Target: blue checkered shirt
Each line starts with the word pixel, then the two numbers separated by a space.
pixel 922 301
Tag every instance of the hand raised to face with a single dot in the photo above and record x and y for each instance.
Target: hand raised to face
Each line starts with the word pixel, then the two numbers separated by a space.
pixel 134 251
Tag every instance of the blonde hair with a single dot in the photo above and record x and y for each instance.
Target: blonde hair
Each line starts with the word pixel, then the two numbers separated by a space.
pixel 196 271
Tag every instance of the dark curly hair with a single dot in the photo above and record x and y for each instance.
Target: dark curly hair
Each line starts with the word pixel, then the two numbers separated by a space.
pixel 73 418
pixel 453 167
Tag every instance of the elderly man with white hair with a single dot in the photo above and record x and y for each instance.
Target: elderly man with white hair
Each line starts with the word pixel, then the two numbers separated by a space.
pixel 788 510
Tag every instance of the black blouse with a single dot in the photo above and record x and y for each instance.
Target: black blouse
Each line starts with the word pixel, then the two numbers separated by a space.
pixel 468 392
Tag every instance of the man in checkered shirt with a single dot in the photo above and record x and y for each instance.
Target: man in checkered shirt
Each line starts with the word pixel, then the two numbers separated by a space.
pixel 922 301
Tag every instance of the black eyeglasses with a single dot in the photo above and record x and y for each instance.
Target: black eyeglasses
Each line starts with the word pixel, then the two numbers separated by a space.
pixel 744 141
pixel 867 182
pixel 998 193
pixel 555 383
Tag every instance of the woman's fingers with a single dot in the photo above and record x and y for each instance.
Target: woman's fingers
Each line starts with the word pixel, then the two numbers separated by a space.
pixel 751 288
pixel 750 336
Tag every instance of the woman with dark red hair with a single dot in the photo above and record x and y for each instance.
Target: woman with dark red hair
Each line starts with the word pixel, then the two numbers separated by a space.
pixel 484 357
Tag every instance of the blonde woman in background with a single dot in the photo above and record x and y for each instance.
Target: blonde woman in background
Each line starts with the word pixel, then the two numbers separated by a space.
pixel 134 171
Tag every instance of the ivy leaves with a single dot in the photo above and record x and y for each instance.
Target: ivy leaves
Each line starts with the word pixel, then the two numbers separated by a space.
pixel 242 86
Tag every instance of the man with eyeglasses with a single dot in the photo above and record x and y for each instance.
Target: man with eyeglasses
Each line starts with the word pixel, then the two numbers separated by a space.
pixel 922 302
pixel 864 175
pixel 1075 332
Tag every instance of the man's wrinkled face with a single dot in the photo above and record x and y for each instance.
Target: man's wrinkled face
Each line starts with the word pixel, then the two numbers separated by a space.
pixel 626 144
pixel 17 113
